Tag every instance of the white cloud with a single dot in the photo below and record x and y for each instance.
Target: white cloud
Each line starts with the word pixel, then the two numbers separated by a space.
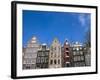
pixel 82 19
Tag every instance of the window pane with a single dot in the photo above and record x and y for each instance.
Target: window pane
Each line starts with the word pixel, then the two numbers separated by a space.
pixel 54 61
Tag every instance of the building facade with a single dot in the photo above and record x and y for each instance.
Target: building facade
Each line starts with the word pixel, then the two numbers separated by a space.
pixel 42 60
pixel 30 54
pixel 36 56
pixel 55 54
pixel 78 55
pixel 87 52
pixel 66 55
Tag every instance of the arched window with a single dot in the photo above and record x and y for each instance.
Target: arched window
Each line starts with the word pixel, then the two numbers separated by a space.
pixel 55 62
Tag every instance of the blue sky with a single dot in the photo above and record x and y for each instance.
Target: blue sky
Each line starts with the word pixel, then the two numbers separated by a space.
pixel 48 25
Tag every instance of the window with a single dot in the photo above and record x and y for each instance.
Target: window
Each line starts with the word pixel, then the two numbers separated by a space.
pixel 80 48
pixel 81 52
pixel 58 61
pixel 67 49
pixel 67 59
pixel 78 53
pixel 46 53
pixel 38 60
pixel 73 48
pixel 74 53
pixel 46 60
pixel 55 62
pixel 28 67
pixel 75 58
pixel 67 53
pixel 78 58
pixel 42 60
pixel 82 58
pixel 84 48
pixel 68 64
pixel 51 62
pixel 51 54
pixel 43 53
pixel 39 54
pixel 38 66
pixel 77 49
